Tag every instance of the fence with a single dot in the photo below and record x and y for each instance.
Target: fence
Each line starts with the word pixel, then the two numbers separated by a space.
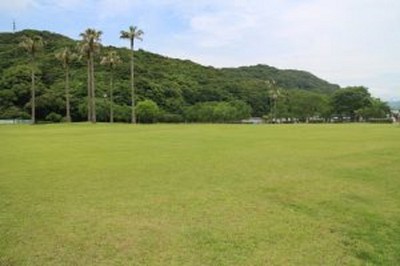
pixel 15 121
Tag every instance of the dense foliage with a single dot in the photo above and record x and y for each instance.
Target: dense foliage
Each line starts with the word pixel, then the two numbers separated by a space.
pixel 181 90
pixel 147 111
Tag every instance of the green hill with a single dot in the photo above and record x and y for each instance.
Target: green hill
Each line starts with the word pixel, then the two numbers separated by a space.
pixel 172 83
pixel 394 105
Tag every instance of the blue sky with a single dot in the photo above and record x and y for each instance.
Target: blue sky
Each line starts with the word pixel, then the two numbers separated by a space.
pixel 348 42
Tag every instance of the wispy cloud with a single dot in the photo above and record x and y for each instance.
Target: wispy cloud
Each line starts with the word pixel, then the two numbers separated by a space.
pixel 16 5
pixel 348 42
pixel 70 4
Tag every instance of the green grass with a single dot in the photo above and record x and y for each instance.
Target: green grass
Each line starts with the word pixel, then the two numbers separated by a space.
pixel 200 195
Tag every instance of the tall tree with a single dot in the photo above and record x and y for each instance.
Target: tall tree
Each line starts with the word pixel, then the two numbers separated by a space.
pixel 66 57
pixel 346 102
pixel 306 104
pixel 111 60
pixel 89 47
pixel 132 34
pixel 275 93
pixel 376 109
pixel 32 46
pixel 84 52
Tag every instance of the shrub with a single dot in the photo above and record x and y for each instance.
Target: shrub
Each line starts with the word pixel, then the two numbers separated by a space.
pixel 54 117
pixel 380 120
pixel 13 112
pixel 171 118
pixel 316 121
pixel 147 111
pixel 221 112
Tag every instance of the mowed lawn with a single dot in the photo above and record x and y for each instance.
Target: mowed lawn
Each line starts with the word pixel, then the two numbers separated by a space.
pixel 103 194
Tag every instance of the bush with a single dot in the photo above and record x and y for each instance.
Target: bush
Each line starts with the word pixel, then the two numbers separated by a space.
pixel 122 113
pixel 380 120
pixel 54 117
pixel 316 121
pixel 220 112
pixel 147 111
pixel 171 118
pixel 13 112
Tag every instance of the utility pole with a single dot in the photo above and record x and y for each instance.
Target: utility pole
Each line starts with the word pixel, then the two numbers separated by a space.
pixel 14 26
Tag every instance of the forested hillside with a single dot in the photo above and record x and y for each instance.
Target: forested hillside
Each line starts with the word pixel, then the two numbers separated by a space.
pixel 395 105
pixel 181 89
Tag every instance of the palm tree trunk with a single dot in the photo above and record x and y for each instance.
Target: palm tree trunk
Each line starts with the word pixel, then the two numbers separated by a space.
pixel 33 104
pixel 111 97
pixel 68 111
pixel 133 82
pixel 89 84
pixel 93 103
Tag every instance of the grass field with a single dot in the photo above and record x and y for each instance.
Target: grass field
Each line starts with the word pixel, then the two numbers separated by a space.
pixel 200 195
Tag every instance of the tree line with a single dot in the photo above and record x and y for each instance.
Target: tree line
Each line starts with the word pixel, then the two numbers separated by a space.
pixel 353 104
pixel 89 46
pixel 166 90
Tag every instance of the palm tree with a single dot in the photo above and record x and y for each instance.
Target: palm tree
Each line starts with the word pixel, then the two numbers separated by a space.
pixel 66 57
pixel 89 47
pixel 32 46
pixel 111 60
pixel 132 34
pixel 275 93
pixel 84 52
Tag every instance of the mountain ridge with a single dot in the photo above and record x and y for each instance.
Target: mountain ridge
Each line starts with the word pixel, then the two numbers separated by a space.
pixel 172 83
pixel 247 68
pixel 394 104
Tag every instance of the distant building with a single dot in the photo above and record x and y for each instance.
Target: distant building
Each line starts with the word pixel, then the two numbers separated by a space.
pixel 395 115
pixel 253 120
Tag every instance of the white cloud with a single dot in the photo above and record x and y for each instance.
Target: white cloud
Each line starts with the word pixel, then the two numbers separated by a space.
pixel 351 42
pixel 16 5
pixel 69 4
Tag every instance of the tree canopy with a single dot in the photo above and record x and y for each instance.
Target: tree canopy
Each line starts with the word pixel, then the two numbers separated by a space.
pixel 179 88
